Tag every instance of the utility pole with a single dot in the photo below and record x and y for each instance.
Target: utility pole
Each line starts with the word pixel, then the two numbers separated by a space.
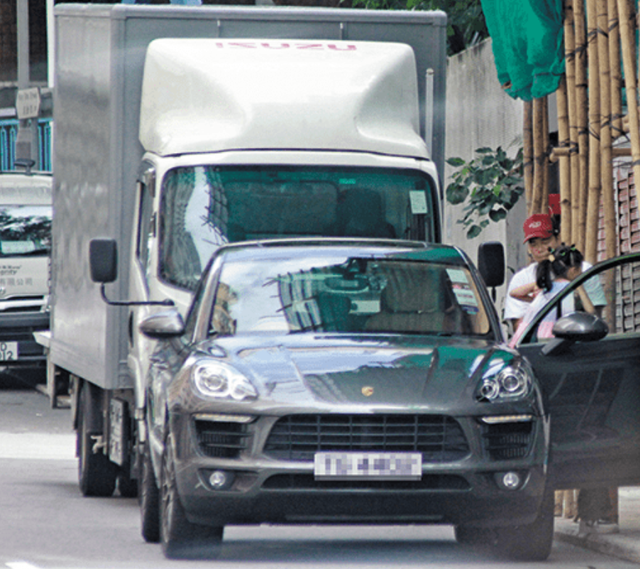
pixel 28 100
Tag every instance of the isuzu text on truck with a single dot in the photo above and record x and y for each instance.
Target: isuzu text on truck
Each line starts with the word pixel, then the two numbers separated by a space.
pixel 179 129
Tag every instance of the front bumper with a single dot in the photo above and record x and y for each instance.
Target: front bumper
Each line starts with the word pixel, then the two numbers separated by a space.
pixel 17 328
pixel 263 490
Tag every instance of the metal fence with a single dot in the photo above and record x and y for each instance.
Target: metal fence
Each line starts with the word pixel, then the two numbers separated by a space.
pixel 8 135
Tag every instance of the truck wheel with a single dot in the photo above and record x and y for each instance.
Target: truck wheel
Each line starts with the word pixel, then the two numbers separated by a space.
pixel 149 498
pixel 127 486
pixel 180 538
pixel 96 473
pixel 531 542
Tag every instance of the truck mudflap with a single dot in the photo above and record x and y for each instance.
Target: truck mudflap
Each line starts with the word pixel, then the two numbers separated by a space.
pixel 118 429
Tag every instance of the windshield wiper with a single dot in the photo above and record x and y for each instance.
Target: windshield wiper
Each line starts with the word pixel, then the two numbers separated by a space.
pixel 36 253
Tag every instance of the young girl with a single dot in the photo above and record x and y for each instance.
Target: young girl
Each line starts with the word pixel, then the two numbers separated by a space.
pixel 552 275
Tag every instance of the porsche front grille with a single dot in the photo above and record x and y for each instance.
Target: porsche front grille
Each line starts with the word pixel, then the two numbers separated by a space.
pixel 299 437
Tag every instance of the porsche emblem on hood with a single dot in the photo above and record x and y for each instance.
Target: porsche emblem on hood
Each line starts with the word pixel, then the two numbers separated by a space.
pixel 367 391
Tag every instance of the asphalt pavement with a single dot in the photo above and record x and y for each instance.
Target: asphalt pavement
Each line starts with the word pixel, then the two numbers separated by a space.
pixel 625 544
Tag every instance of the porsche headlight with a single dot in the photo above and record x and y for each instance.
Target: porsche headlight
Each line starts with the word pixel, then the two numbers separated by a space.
pixel 221 381
pixel 511 382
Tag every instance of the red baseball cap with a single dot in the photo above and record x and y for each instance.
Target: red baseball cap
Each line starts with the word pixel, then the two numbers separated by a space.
pixel 538 225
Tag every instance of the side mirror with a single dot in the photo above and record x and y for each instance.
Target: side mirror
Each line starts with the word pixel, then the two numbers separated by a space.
pixel 580 327
pixel 163 325
pixel 491 264
pixel 575 327
pixel 103 260
pixel 26 163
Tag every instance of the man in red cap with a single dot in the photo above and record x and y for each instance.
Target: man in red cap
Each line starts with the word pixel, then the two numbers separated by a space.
pixel 540 236
pixel 595 506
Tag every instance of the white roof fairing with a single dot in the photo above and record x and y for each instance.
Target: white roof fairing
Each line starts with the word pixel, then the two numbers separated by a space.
pixel 208 95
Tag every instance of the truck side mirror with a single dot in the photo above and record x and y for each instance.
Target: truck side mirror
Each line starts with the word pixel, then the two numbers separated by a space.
pixel 103 260
pixel 491 264
pixel 26 163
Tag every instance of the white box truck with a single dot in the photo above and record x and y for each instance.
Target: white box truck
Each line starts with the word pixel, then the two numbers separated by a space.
pixel 178 129
pixel 25 245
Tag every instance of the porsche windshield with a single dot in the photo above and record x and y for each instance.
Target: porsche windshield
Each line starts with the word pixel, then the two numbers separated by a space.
pixel 25 230
pixel 348 295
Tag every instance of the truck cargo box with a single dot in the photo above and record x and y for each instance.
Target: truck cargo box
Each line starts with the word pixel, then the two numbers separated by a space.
pixel 100 55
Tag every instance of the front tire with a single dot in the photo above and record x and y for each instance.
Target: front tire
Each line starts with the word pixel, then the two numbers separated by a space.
pixel 530 542
pixel 127 486
pixel 96 473
pixel 149 498
pixel 180 538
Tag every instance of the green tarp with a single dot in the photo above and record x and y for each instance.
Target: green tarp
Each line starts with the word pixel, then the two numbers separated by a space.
pixel 528 45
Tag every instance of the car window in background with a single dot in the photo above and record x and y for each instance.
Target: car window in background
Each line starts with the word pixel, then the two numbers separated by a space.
pixel 612 292
pixel 347 295
pixel 25 230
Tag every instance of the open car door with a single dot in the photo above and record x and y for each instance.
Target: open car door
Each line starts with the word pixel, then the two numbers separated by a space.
pixel 588 363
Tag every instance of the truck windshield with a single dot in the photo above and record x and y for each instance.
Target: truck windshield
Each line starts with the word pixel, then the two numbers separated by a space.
pixel 25 230
pixel 204 207
pixel 346 295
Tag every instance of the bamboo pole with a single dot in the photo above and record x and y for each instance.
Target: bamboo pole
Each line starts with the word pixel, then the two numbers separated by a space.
pixel 527 153
pixel 544 161
pixel 606 165
pixel 564 165
pixel 588 232
pixel 616 151
pixel 582 107
pixel 614 65
pixel 567 209
pixel 605 191
pixel 627 40
pixel 538 156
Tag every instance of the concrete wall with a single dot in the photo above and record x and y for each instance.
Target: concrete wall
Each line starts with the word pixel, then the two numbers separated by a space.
pixel 480 114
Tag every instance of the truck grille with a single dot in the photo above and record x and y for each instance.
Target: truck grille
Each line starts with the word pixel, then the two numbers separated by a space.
pixel 218 439
pixel 299 437
pixel 505 441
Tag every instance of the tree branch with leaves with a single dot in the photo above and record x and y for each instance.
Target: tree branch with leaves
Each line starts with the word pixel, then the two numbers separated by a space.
pixel 491 183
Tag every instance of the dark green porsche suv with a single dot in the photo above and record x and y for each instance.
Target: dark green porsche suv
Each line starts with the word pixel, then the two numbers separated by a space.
pixel 345 382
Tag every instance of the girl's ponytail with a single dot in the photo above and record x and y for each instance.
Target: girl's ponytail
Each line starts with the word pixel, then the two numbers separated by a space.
pixel 544 276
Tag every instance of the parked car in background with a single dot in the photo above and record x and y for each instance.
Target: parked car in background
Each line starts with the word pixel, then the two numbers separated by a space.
pixel 25 250
pixel 342 381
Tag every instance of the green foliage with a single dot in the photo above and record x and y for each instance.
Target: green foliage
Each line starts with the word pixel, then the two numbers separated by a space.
pixel 491 182
pixel 466 25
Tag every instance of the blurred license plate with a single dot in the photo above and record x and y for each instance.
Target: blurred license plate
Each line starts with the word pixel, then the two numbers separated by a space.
pixel 378 465
pixel 8 351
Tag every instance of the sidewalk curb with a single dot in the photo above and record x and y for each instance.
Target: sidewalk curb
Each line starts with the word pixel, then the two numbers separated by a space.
pixel 616 545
